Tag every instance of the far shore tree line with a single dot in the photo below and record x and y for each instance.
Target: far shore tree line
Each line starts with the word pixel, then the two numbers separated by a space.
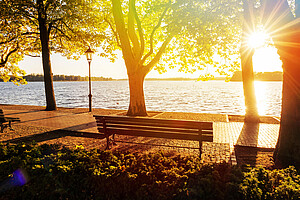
pixel 40 77
pixel 259 76
pixel 189 34
pixel 237 76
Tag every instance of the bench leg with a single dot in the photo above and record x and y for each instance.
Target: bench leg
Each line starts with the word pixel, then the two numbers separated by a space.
pixel 113 140
pixel 200 149
pixel 9 124
pixel 107 142
pixel 110 141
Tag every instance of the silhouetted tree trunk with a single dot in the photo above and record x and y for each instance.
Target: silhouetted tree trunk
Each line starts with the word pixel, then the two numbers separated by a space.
pixel 48 76
pixel 247 65
pixel 286 31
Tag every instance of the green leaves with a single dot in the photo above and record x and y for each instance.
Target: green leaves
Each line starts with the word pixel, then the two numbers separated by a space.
pixel 72 26
pixel 56 172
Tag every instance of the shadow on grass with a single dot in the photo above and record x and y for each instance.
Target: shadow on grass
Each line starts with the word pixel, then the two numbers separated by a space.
pixel 50 135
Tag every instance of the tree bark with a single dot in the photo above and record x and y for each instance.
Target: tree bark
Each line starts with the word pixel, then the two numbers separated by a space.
pixel 248 86
pixel 279 20
pixel 137 105
pixel 247 65
pixel 133 50
pixel 288 144
pixel 48 76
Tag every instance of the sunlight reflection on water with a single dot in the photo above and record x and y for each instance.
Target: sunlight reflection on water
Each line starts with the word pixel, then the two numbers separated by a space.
pixel 172 96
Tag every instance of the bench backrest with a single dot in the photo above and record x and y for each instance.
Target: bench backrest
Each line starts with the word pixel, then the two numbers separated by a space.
pixel 149 127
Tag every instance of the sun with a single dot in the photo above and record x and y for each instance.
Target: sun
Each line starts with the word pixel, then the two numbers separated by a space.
pixel 257 39
pixel 265 58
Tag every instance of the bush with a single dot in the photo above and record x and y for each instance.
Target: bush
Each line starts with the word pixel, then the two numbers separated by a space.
pixel 29 171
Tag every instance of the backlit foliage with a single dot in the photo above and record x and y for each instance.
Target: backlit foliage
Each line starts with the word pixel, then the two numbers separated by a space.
pixel 55 172
pixel 72 25
pixel 186 34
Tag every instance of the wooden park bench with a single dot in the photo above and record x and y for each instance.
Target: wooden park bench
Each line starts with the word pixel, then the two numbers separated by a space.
pixel 158 128
pixel 6 121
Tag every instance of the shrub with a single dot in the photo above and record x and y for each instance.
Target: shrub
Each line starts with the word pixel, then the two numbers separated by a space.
pixel 29 171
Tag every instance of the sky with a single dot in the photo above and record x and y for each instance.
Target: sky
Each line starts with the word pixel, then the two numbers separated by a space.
pixel 264 59
pixel 99 67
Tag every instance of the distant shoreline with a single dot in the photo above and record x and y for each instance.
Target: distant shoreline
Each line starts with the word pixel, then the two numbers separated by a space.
pixel 237 77
pixel 259 76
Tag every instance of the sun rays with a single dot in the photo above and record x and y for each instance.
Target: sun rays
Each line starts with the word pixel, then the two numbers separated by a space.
pixel 257 39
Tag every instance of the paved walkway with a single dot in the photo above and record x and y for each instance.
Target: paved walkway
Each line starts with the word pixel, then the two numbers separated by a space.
pixel 80 122
pixel 234 133
pixel 230 138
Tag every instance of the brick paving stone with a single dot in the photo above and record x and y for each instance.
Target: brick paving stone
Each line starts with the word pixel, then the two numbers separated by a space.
pixel 254 135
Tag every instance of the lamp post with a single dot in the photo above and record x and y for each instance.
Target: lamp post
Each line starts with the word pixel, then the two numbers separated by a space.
pixel 89 54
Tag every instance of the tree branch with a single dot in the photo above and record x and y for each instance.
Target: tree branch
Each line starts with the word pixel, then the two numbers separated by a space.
pixel 114 32
pixel 131 30
pixel 123 36
pixel 34 56
pixel 49 28
pixel 141 34
pixel 157 57
pixel 62 32
pixel 152 33
pixel 22 34
pixel 4 60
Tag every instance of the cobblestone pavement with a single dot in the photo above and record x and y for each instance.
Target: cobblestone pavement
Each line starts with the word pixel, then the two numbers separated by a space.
pixel 226 134
pixel 260 135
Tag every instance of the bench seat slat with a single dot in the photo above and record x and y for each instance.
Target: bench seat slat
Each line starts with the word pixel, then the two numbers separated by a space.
pixel 152 128
pixel 158 123
pixel 168 135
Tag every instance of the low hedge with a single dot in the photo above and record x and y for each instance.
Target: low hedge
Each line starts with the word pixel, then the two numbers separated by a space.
pixel 29 171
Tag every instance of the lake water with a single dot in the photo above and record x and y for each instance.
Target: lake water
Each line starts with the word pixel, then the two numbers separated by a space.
pixel 170 96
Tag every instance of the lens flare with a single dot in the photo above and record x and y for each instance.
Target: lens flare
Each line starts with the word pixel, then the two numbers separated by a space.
pixel 257 39
pixel 18 178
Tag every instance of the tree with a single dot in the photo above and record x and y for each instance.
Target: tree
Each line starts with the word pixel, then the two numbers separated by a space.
pixel 65 27
pixel 246 63
pixel 184 32
pixel 15 40
pixel 283 25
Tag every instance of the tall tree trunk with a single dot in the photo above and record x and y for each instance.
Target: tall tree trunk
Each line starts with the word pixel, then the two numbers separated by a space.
pixel 288 144
pixel 248 86
pixel 137 105
pixel 280 21
pixel 247 65
pixel 48 76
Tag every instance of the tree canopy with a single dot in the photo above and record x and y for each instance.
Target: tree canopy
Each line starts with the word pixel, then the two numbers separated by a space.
pixel 184 33
pixel 187 34
pixel 72 27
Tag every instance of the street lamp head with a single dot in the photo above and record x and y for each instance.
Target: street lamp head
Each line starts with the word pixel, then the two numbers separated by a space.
pixel 89 54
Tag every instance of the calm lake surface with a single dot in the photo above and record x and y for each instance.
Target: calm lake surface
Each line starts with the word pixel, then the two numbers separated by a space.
pixel 170 96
